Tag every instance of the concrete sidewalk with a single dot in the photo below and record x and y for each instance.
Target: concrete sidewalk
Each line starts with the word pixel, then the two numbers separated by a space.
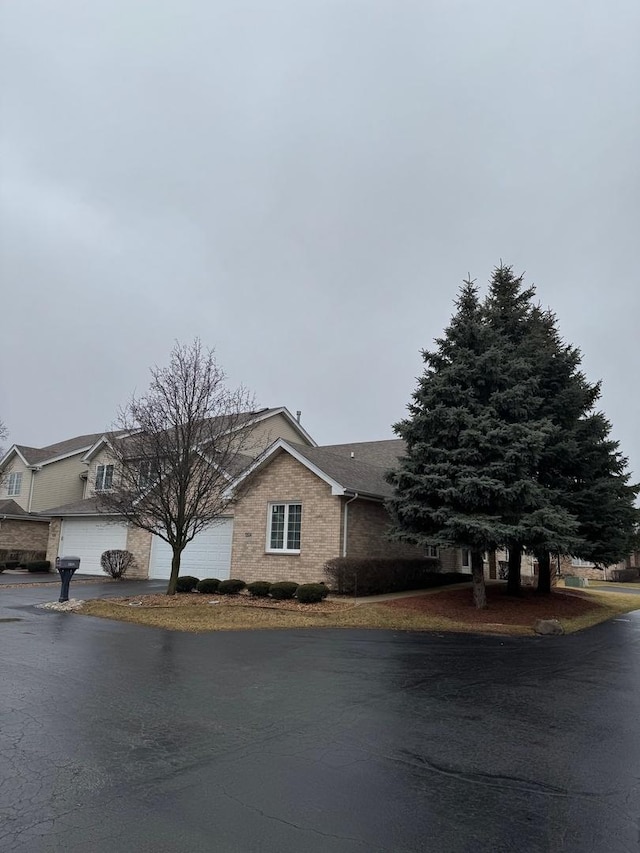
pixel 392 596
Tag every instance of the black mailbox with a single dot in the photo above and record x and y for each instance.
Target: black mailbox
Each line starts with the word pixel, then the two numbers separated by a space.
pixel 66 566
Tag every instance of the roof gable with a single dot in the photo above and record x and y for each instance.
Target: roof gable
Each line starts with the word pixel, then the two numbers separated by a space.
pixel 358 468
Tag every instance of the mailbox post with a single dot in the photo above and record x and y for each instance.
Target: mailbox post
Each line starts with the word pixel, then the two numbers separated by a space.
pixel 66 567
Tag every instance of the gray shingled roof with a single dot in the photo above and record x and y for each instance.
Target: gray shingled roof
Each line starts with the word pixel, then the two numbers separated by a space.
pixel 10 507
pixel 37 455
pixel 88 506
pixel 365 471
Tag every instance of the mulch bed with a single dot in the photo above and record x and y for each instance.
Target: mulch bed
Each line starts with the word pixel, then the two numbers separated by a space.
pixel 502 609
pixel 186 599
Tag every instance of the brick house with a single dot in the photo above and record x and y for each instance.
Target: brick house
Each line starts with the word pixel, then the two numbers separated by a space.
pixel 81 529
pixel 297 507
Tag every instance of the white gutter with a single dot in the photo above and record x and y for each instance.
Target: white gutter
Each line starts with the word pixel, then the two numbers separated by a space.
pixel 346 523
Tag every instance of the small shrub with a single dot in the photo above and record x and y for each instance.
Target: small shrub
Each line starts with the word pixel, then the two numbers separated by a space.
pixel 39 566
pixel 186 583
pixel 12 564
pixel 282 590
pixel 310 593
pixel 208 586
pixel 623 575
pixel 116 563
pixel 259 589
pixel 231 587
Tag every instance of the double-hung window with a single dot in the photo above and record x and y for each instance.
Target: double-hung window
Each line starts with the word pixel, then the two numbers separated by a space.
pixel 147 473
pixel 432 551
pixel 104 477
pixel 14 484
pixel 465 559
pixel 283 529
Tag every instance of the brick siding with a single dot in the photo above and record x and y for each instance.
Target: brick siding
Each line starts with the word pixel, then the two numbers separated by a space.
pixel 367 527
pixel 53 542
pixel 24 535
pixel 139 543
pixel 284 480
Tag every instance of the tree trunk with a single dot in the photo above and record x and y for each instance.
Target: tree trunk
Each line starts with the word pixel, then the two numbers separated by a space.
pixel 477 575
pixel 544 573
pixel 515 569
pixel 175 571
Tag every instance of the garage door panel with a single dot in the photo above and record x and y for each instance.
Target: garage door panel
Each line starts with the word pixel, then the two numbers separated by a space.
pixel 88 538
pixel 206 556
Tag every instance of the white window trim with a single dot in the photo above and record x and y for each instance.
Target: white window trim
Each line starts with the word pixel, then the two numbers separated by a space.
pixel 104 466
pixel 286 504
pixel 433 552
pixel 14 477
pixel 579 563
pixel 464 551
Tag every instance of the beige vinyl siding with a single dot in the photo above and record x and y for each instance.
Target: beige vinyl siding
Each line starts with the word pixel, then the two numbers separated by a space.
pixel 103 457
pixel 266 432
pixel 58 483
pixel 14 467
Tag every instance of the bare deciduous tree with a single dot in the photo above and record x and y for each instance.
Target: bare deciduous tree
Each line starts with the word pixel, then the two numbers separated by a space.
pixel 4 432
pixel 175 449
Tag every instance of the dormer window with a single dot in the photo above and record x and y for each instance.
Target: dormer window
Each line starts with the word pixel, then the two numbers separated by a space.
pixel 14 484
pixel 104 477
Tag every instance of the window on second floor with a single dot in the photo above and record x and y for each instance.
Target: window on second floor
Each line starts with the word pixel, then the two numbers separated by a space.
pixel 104 478
pixel 14 484
pixel 147 472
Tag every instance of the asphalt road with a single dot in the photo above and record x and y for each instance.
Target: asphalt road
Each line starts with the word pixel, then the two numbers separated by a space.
pixel 117 738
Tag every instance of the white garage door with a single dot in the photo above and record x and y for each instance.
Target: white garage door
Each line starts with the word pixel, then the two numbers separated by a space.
pixel 206 556
pixel 87 538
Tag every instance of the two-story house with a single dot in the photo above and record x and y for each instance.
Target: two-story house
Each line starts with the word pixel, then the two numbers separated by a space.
pixel 80 529
pixel 33 479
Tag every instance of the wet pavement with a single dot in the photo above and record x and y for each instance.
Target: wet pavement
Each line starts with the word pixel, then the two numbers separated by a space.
pixel 11 577
pixel 116 737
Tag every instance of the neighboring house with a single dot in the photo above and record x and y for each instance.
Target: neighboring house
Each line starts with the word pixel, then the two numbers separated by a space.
pixel 21 531
pixel 299 506
pixel 79 529
pixel 577 567
pixel 38 478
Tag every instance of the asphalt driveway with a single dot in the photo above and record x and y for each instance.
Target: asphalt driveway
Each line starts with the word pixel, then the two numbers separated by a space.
pixel 120 738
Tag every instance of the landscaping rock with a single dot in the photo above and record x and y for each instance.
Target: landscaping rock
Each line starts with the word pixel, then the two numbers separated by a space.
pixel 62 606
pixel 548 627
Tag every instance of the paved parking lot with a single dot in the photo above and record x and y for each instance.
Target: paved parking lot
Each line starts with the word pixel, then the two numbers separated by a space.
pixel 121 738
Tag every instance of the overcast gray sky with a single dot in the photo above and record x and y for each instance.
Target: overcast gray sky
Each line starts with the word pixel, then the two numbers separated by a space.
pixel 304 184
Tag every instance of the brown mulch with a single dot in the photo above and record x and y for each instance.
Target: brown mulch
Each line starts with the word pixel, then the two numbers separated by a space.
pixel 186 599
pixel 457 604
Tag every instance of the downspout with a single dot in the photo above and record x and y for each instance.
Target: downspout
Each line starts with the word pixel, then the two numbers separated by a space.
pixel 33 476
pixel 346 523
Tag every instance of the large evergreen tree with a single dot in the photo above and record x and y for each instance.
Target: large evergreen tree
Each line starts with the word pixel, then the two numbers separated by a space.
pixel 580 469
pixel 504 448
pixel 472 444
